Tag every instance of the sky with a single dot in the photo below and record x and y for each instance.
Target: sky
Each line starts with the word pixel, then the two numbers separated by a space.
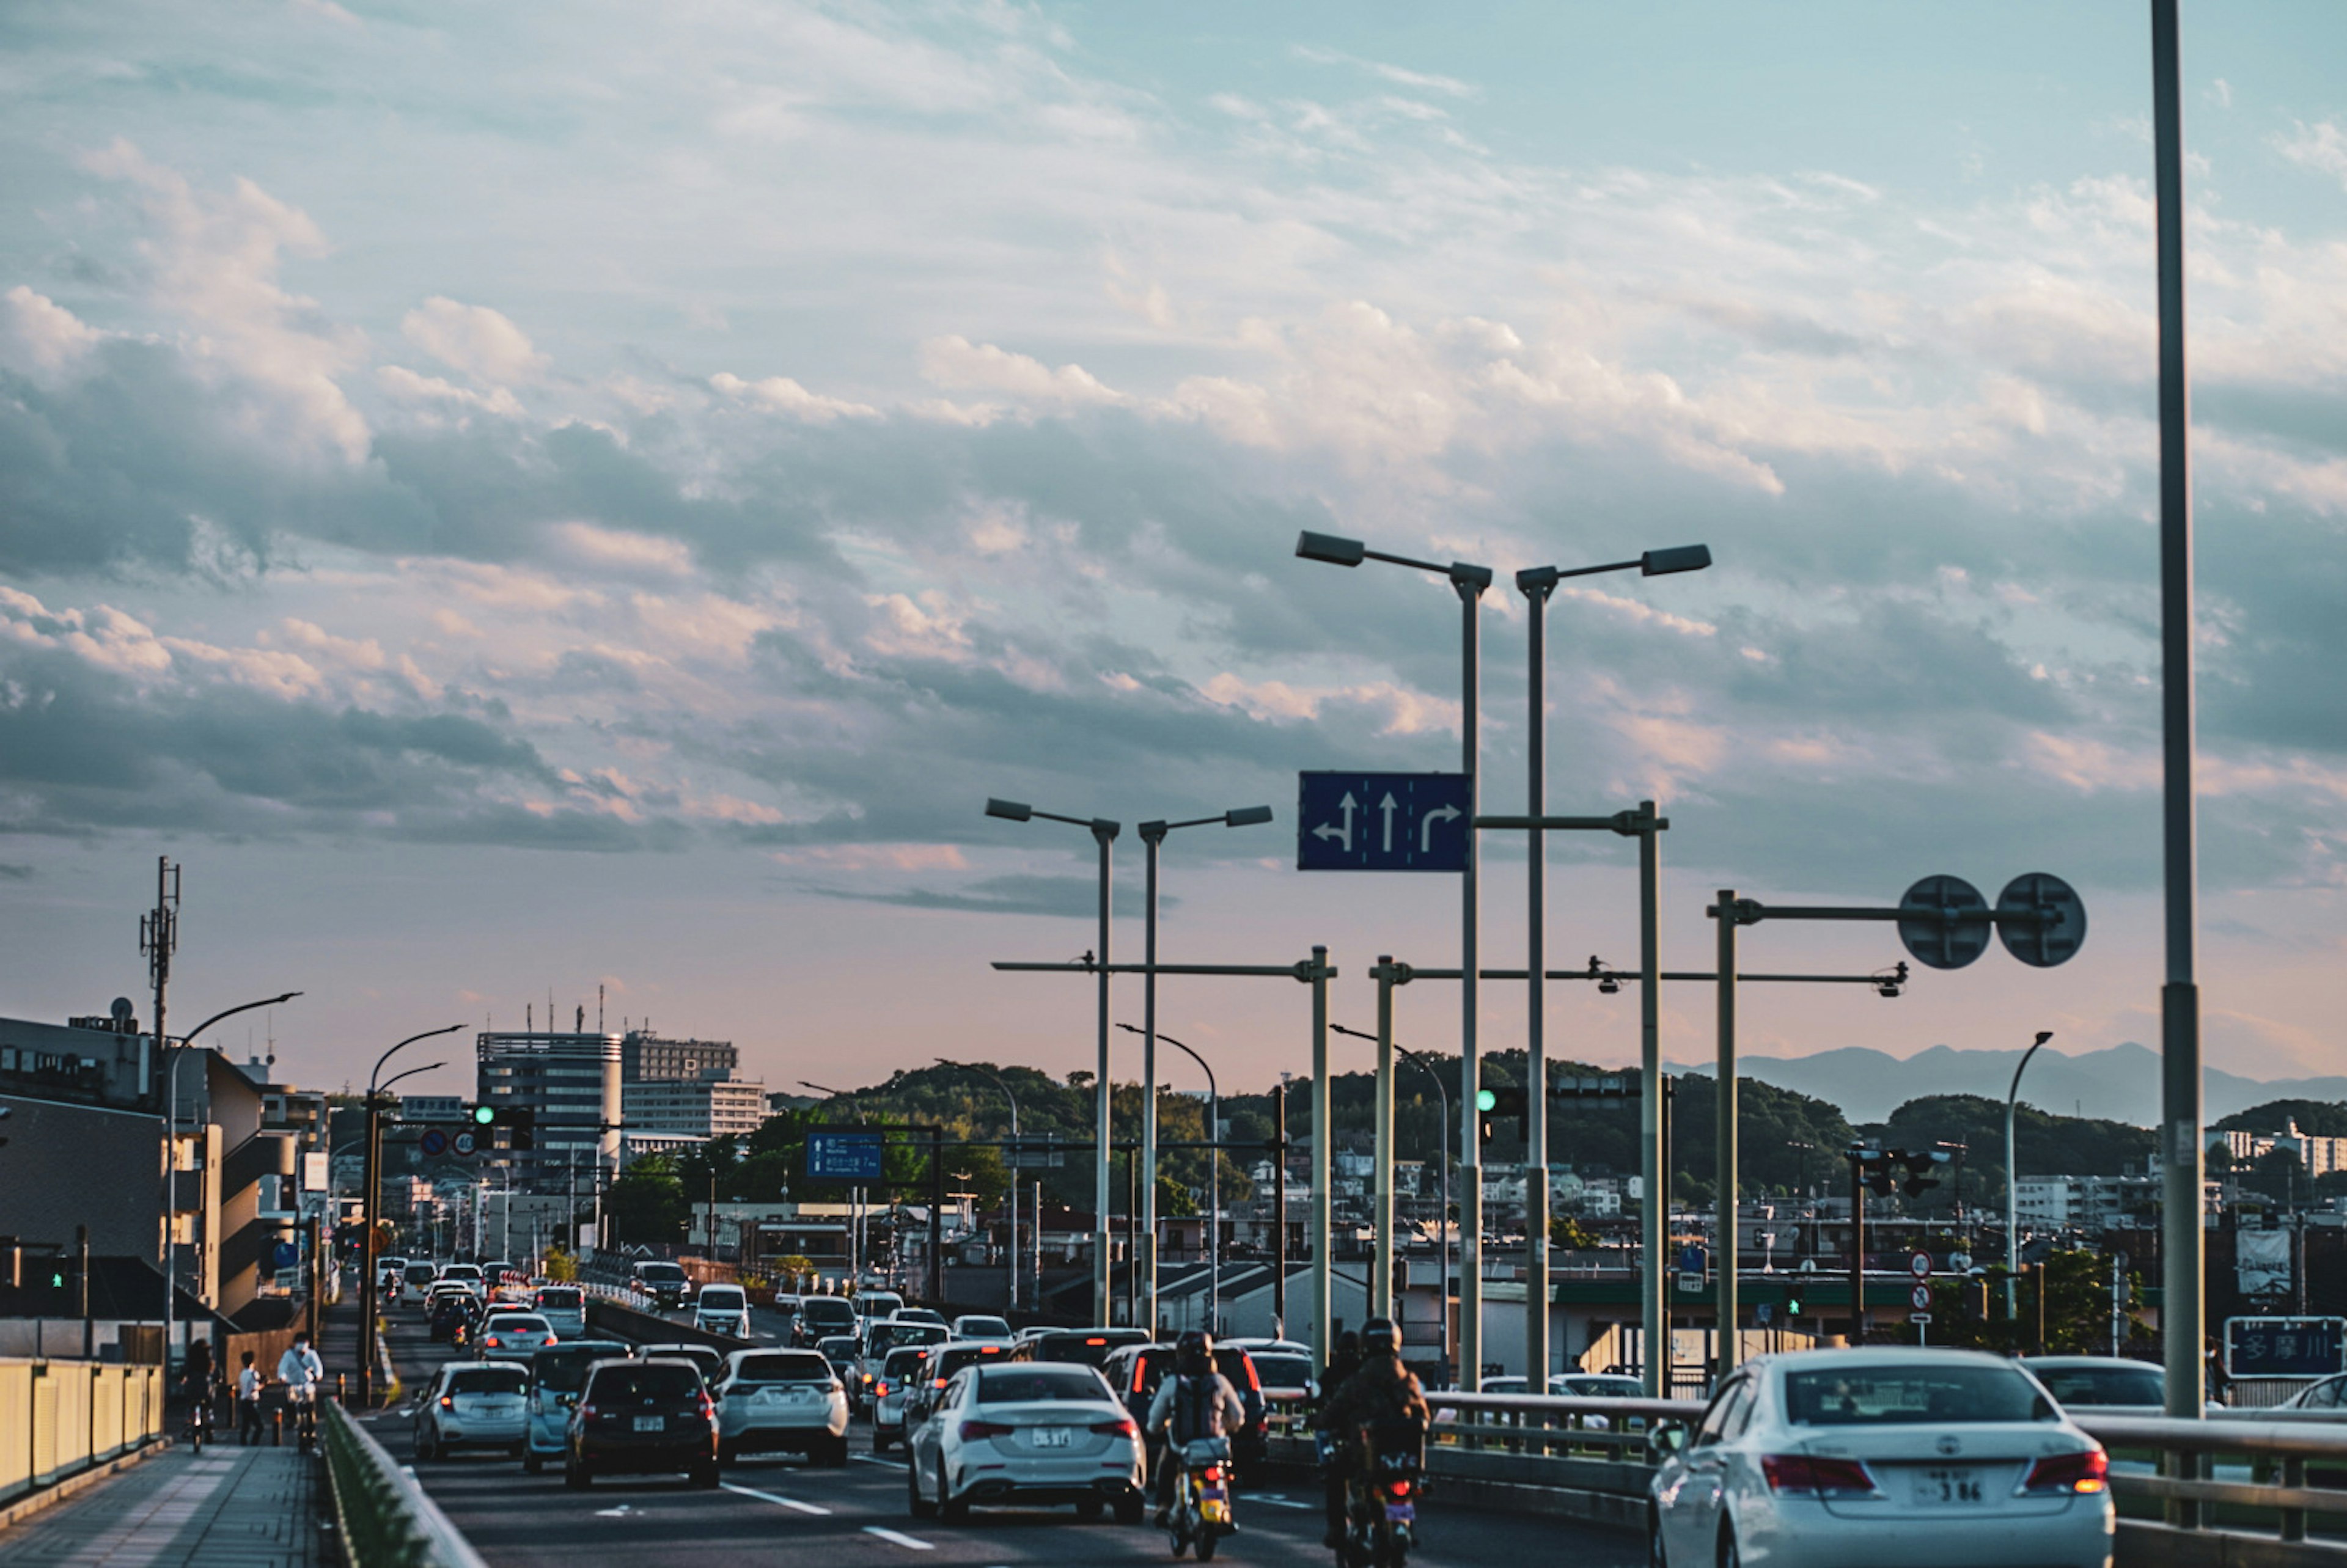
pixel 532 498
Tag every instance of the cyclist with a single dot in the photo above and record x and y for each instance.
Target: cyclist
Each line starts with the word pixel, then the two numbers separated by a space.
pixel 1196 1403
pixel 198 1370
pixel 1381 1397
pixel 302 1372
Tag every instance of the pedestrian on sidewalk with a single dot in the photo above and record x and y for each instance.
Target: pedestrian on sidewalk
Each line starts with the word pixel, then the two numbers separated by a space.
pixel 249 1384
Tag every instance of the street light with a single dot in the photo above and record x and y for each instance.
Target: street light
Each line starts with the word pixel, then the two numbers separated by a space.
pixel 369 1200
pixel 2011 1183
pixel 1153 836
pixel 1443 1230
pixel 172 1159
pixel 1537 584
pixel 1012 1249
pixel 1104 834
pixel 1213 1172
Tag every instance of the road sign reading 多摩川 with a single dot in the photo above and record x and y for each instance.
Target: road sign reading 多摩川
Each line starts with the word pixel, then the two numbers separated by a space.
pixel 1382 822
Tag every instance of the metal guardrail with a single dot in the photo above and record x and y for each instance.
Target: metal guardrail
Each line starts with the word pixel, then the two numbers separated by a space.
pixel 383 1516
pixel 2294 1469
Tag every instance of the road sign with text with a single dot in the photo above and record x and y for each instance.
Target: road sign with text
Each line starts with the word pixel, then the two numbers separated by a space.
pixel 1382 822
pixel 843 1156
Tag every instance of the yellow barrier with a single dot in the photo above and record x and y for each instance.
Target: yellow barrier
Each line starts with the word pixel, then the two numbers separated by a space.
pixel 61 1418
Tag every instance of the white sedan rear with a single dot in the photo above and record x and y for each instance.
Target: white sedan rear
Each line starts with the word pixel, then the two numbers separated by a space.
pixel 1021 1433
pixel 1854 1459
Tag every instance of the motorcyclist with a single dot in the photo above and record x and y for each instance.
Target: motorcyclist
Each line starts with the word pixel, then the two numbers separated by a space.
pixel 1196 1402
pixel 1341 1366
pixel 1383 1394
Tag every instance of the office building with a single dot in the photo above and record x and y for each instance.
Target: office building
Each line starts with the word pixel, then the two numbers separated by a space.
pixel 697 1108
pixel 646 1058
pixel 571 1081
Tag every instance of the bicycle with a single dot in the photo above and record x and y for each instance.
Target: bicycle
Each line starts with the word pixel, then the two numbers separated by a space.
pixel 303 1398
pixel 198 1430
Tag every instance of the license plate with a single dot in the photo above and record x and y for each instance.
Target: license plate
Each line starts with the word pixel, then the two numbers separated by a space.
pixel 652 1423
pixel 770 1396
pixel 1943 1486
pixel 1050 1437
pixel 1400 1512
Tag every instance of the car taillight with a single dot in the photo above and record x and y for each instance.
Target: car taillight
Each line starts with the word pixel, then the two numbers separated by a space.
pixel 971 1431
pixel 447 1403
pixel 551 1339
pixel 1214 1474
pixel 937 1382
pixel 707 1408
pixel 1807 1475
pixel 2082 1473
pixel 1096 1341
pixel 880 1389
pixel 1123 1428
pixel 1400 1487
pixel 588 1411
pixel 495 1340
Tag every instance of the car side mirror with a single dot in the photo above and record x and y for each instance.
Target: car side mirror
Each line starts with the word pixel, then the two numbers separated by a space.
pixel 1665 1439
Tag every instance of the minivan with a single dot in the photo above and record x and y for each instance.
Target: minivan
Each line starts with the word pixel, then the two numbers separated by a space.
pixel 822 1316
pixel 564 1307
pixel 721 1309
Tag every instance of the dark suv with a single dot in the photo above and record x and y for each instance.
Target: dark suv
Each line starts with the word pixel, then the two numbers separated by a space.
pixel 637 1418
pixel 821 1317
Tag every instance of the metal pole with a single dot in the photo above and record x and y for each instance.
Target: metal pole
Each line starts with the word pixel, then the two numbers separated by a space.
pixel 1103 1243
pixel 1152 842
pixel 1724 1135
pixel 2012 1183
pixel 1536 1286
pixel 937 1216
pixel 1213 1204
pixel 1654 1156
pixel 1381 1282
pixel 2181 1261
pixel 1279 1212
pixel 1324 1339
pixel 1471 1167
pixel 1857 1253
pixel 372 1182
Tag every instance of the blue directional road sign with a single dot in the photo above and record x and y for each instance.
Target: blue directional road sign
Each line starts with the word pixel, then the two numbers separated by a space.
pixel 2285 1347
pixel 843 1156
pixel 1382 822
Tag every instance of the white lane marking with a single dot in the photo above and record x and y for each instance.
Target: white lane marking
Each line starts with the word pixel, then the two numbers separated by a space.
pixel 897 1538
pixel 1282 1502
pixel 875 1459
pixel 771 1496
pixel 619 1512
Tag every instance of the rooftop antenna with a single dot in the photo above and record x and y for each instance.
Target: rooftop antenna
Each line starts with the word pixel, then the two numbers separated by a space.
pixel 598 1007
pixel 529 1018
pixel 271 1017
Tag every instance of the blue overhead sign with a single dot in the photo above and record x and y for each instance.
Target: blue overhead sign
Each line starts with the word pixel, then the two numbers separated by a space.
pixel 843 1156
pixel 1382 822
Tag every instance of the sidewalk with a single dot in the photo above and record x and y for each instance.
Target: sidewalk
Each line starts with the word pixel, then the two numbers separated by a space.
pixel 233 1508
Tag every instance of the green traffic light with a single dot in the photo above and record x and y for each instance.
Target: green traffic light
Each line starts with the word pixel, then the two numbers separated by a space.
pixel 1485 1099
pixel 483 1114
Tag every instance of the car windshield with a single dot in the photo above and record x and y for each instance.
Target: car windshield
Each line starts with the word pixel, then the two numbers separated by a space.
pixel 1018 1384
pixel 839 1347
pixel 721 1299
pixel 489 1380
pixel 1091 1349
pixel 1284 1371
pixel 890 1336
pixel 782 1365
pixel 1602 1388
pixel 563 1370
pixel 421 1274
pixel 827 1312
pixel 2103 1385
pixel 645 1382
pixel 1912 1394
pixel 559 1300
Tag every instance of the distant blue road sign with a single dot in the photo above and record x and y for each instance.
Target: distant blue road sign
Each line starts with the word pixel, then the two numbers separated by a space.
pixel 285 1255
pixel 1382 822
pixel 843 1156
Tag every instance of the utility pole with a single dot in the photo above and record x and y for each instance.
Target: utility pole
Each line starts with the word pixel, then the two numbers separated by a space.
pixel 1279 1210
pixel 159 938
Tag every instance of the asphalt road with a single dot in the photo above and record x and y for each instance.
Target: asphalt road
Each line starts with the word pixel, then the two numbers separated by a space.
pixel 857 1516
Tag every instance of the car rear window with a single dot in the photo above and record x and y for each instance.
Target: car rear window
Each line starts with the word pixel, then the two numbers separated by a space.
pixel 489 1380
pixel 827 1311
pixel 838 1348
pixel 560 1299
pixel 905 1363
pixel 2103 1385
pixel 648 1382
pixel 1284 1371
pixel 1089 1349
pixel 518 1323
pixel 782 1365
pixel 1600 1388
pixel 1013 1385
pixel 894 1336
pixel 990 1328
pixel 563 1370
pixel 1914 1394
pixel 421 1274
pixel 660 1273
pixel 463 1271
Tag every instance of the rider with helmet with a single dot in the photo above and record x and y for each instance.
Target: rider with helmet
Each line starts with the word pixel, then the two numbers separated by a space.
pixel 1383 1394
pixel 1195 1403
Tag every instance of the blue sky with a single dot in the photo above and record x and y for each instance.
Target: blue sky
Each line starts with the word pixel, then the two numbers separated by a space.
pixel 546 496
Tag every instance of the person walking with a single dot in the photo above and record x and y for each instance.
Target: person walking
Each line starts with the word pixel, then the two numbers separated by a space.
pixel 249 1384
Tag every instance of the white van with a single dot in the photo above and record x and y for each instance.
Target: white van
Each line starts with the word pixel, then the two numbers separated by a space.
pixel 721 1309
pixel 564 1307
pixel 872 1306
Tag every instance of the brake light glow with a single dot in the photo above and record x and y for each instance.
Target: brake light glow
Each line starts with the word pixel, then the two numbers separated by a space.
pixel 447 1403
pixel 1215 1475
pixel 1140 1364
pixel 881 1388
pixel 1253 1381
pixel 1809 1475
pixel 1096 1339
pixel 1401 1488
pixel 551 1340
pixel 495 1340
pixel 2080 1473
pixel 707 1408
pixel 1123 1428
pixel 971 1431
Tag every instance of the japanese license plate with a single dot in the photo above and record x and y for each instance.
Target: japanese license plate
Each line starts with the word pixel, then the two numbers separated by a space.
pixel 652 1423
pixel 1943 1486
pixel 1050 1437
pixel 1400 1512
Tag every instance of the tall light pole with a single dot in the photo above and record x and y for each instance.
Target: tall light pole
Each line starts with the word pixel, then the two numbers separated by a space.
pixel 1537 584
pixel 1443 1231
pixel 370 1200
pixel 1214 1176
pixel 1153 836
pixel 1012 1249
pixel 1104 834
pixel 2013 1188
pixel 171 1151
pixel 1469 582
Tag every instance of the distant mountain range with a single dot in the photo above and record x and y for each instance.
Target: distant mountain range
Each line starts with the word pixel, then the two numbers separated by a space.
pixel 2120 1083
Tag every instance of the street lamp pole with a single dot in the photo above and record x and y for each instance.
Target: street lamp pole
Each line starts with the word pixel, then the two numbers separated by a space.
pixel 1012 1248
pixel 1104 834
pixel 172 1158
pixel 1213 1176
pixel 2012 1185
pixel 370 1200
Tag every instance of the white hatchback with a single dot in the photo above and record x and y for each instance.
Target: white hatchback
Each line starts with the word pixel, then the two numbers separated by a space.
pixel 1020 1432
pixel 515 1336
pixel 470 1405
pixel 784 1401
pixel 1853 1459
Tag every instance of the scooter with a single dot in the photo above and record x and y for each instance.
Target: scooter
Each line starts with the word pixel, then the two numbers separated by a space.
pixel 1383 1525
pixel 1201 1514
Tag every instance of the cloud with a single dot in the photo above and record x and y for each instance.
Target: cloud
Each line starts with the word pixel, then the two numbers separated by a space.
pixel 474 339
pixel 781 395
pixel 43 337
pixel 1400 75
pixel 955 362
pixel 2321 148
pixel 1070 898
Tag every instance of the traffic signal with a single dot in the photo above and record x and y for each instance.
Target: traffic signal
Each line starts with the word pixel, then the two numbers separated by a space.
pixel 520 1122
pixel 1517 1103
pixel 1485 1101
pixel 1921 1168
pixel 1792 1306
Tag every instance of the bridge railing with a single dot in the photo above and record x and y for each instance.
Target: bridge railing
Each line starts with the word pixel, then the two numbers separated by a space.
pixel 381 1513
pixel 60 1418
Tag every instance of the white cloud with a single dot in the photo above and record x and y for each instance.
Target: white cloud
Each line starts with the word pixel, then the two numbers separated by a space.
pixel 2321 147
pixel 43 335
pixel 781 395
pixel 474 339
pixel 956 362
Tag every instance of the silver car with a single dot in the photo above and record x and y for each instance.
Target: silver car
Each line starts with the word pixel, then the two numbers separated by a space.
pixel 515 1336
pixel 900 1374
pixel 1016 1432
pixel 1854 1459
pixel 472 1407
pixel 781 1400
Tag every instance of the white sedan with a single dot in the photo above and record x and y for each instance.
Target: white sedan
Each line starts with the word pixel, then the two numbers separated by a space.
pixel 1853 1459
pixel 1021 1433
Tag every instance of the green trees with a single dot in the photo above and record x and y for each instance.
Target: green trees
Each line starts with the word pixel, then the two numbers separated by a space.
pixel 647 1202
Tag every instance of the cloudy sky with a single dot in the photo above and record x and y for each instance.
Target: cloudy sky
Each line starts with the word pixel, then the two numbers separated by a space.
pixel 530 497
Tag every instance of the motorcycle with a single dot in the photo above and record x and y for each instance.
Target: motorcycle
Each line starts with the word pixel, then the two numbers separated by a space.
pixel 1201 1514
pixel 1382 1511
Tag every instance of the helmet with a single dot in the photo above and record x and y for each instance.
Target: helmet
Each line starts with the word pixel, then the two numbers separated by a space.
pixel 1380 1338
pixel 1194 1353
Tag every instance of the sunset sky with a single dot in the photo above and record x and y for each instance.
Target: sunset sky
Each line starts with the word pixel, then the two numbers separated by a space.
pixel 525 497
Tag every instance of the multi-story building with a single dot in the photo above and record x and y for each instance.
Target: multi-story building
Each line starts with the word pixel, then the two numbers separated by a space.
pixel 2320 1155
pixel 2092 1203
pixel 645 1057
pixel 573 1084
pixel 698 1108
